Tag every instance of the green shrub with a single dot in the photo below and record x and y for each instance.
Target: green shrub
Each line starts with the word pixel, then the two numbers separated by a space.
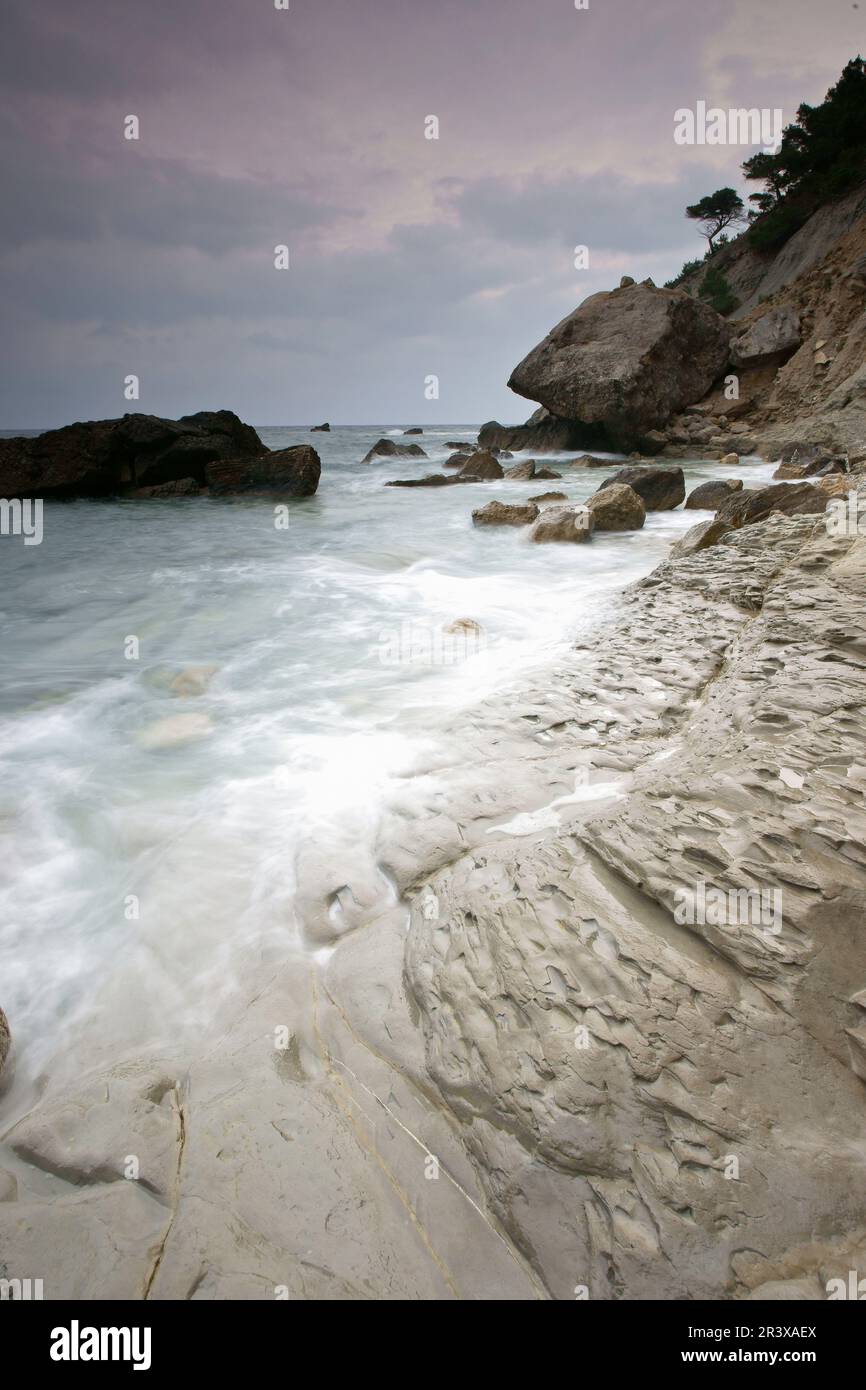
pixel 716 290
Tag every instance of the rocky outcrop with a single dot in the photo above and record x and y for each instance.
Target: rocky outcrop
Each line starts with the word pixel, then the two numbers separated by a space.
pixel 293 472
pixel 102 458
pixel 748 506
pixel 570 524
pixel 625 360
pixel 665 1101
pixel 617 508
pixel 659 488
pixel 504 514
pixel 386 448
pixel 709 496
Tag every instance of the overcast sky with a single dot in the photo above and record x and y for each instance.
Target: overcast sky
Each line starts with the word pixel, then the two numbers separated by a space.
pixel 306 127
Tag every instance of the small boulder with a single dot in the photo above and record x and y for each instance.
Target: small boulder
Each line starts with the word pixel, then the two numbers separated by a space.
pixel 386 448
pixel 521 471
pixel 699 537
pixel 730 460
pixel 710 496
pixel 321 429
pixel 617 508
pixel 590 461
pixel 574 524
pixel 457 460
pixel 659 488
pixel 415 430
pixel 504 514
pixel 550 497
pixel 483 466
pixel 547 474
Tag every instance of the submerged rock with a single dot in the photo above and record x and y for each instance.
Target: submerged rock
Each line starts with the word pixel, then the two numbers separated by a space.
pixel 504 514
pixel 415 430
pixel 386 448
pixel 321 429
pixel 617 508
pixel 659 488
pixel 625 360
pixel 430 480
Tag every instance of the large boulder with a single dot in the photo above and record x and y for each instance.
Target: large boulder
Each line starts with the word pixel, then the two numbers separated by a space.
pixel 504 514
pixel 617 508
pixel 574 524
pixel 626 360
pixel 483 466
pixel 521 471
pixel 290 472
pixel 772 337
pixel 659 488
pixel 103 458
pixel 386 448
pixel 709 496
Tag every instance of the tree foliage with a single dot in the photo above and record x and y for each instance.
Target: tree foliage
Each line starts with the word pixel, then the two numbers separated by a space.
pixel 716 211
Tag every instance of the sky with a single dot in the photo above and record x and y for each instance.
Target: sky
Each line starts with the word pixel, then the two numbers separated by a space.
pixel 304 127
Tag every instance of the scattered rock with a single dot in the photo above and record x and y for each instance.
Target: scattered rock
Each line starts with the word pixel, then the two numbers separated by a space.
pixel 573 524
pixel 521 470
pixel 710 495
pixel 457 460
pixel 321 429
pixel 431 480
pixel 617 508
pixel 386 448
pixel 730 460
pixel 590 461
pixel 293 472
pixel 658 487
pixel 550 497
pixel 547 474
pixel 626 360
pixel 504 514
pixel 483 466
pixel 415 430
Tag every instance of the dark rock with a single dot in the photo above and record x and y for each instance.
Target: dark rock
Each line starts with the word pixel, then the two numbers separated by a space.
pixel 290 472
pixel 102 458
pixel 626 360
pixel 414 430
pixel 699 537
pixel 710 495
pixel 457 460
pixel 319 429
pixel 659 488
pixel 386 448
pixel 547 474
pixel 549 497
pixel 543 433
pixel 503 514
pixel 184 487
pixel 617 508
